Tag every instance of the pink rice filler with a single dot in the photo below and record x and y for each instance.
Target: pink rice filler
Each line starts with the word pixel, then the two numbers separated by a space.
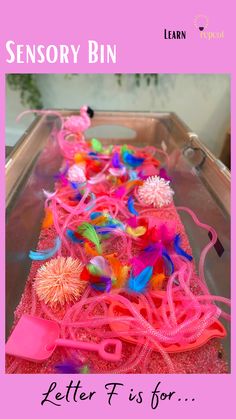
pixel 35 339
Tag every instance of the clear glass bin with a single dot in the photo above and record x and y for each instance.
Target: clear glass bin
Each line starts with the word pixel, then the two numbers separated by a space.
pixel 200 182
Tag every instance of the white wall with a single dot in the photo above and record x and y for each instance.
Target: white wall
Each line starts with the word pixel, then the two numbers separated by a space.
pixel 202 101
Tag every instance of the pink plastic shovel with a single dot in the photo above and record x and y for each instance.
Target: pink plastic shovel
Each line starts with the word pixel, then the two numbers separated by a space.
pixel 35 339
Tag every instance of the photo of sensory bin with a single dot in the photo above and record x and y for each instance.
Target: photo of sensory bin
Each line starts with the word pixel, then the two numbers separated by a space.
pixel 120 276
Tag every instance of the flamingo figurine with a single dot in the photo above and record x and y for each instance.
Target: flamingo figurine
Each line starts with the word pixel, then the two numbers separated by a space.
pixel 78 124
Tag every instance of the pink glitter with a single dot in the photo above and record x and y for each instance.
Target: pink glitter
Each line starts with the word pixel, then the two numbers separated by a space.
pixel 54 290
pixel 204 360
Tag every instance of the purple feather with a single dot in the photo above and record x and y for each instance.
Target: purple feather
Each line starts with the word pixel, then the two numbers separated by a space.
pixel 163 174
pixel 116 161
pixel 69 367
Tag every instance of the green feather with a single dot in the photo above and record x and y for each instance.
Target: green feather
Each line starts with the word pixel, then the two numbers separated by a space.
pixel 87 231
pixel 94 270
pixel 96 145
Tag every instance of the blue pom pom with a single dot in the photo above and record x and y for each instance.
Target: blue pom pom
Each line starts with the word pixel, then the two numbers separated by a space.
pixel 179 250
pixel 131 206
pixel 138 283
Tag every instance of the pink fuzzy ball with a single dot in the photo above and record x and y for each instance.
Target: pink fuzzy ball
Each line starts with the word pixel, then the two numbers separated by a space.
pixel 156 191
pixel 58 281
pixel 76 174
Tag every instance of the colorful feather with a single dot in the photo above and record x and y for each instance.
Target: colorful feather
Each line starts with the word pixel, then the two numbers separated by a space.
pixel 157 280
pixel 77 197
pixel 163 174
pixel 148 257
pixel 101 264
pixel 131 160
pixel 48 194
pixel 76 185
pixel 87 231
pixel 133 175
pixel 99 178
pixel 115 161
pixel 139 283
pixel 91 204
pixel 117 172
pixel 100 220
pixel 69 366
pixel 48 219
pixel 47 253
pixel 179 250
pixel 102 229
pixel 95 214
pixel 167 257
pixel 94 270
pixel 89 250
pixel 120 192
pixel 104 285
pixel 72 236
pixel 61 176
pixel 136 232
pixel 131 206
pixel 96 145
pixel 132 222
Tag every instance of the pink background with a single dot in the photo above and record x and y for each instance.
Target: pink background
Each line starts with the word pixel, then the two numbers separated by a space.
pixel 137 29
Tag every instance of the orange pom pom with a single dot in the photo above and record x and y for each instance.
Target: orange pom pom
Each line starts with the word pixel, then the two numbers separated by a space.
pixel 58 281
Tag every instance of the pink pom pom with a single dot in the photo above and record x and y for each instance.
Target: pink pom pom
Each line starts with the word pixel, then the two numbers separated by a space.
pixel 76 174
pixel 155 191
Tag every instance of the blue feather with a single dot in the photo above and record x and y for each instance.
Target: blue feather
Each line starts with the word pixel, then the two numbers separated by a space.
pixel 133 175
pixel 91 203
pixel 138 283
pixel 102 229
pixel 132 160
pixel 104 284
pixel 47 253
pixel 95 214
pixel 74 185
pixel 131 206
pixel 166 255
pixel 93 155
pixel 179 250
pixel 71 235
pixel 68 367
pixel 77 197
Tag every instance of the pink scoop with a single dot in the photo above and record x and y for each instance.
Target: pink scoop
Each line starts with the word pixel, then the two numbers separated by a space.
pixel 35 339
